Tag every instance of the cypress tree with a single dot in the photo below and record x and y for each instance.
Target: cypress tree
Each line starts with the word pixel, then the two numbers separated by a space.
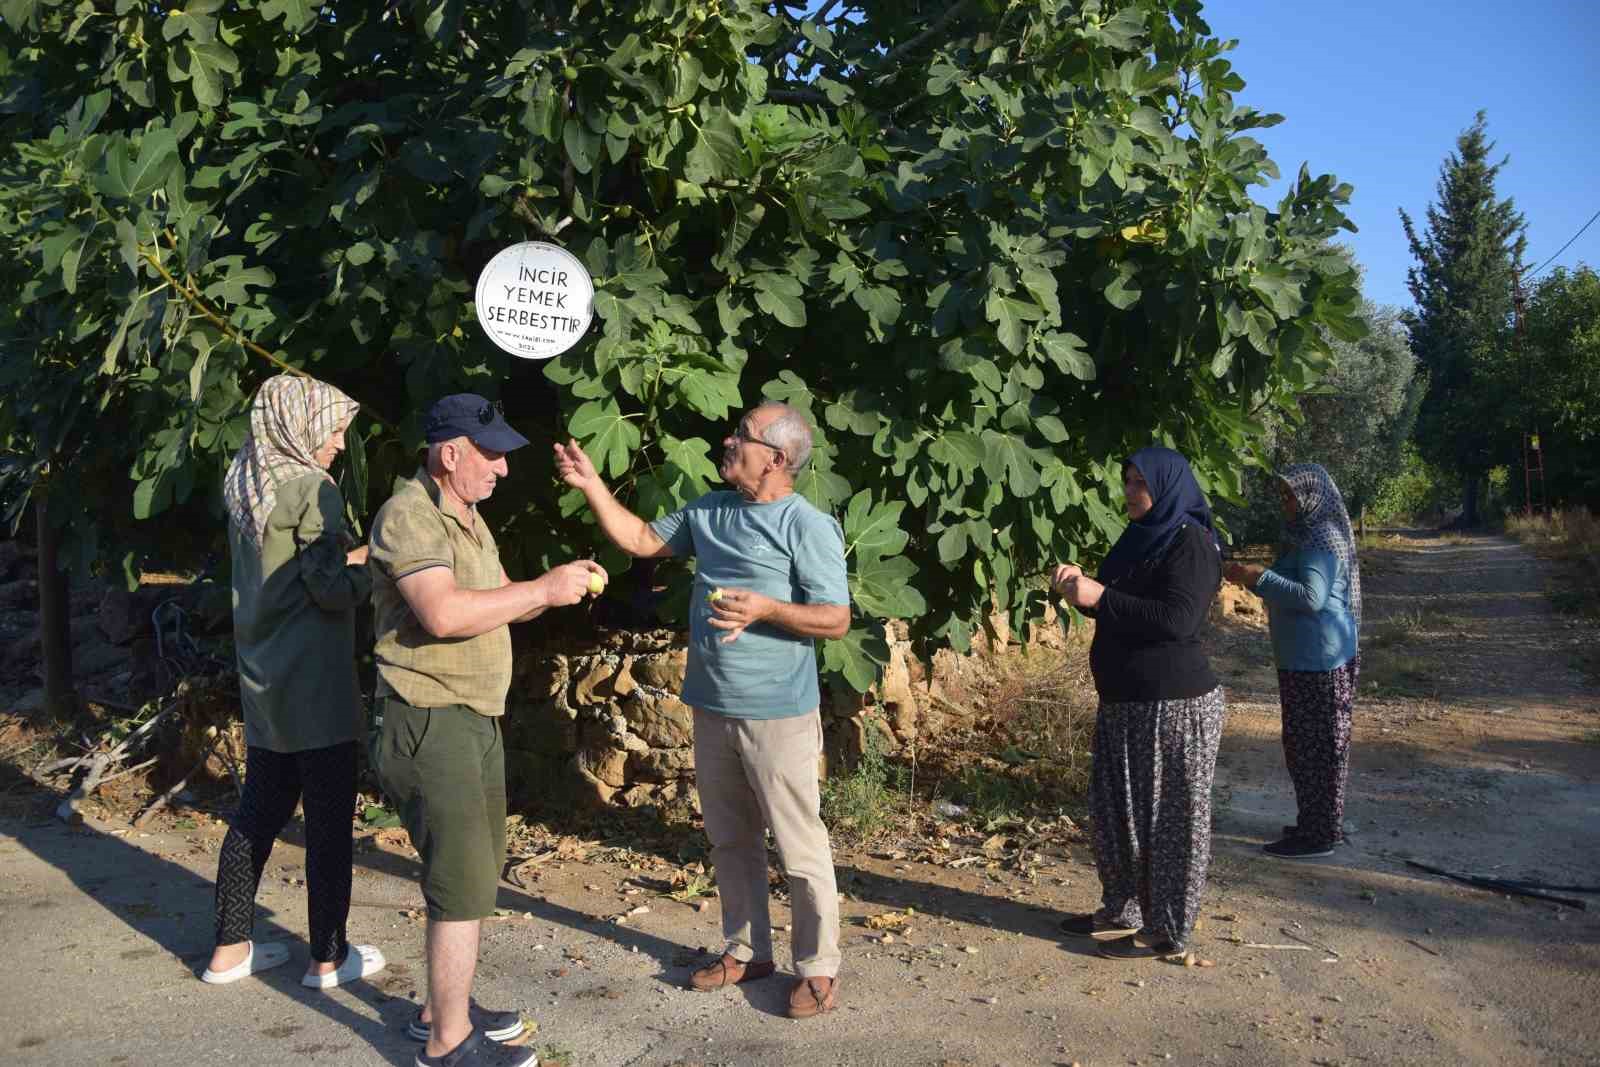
pixel 1461 329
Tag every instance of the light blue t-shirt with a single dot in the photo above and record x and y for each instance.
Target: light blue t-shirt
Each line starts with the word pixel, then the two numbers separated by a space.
pixel 785 549
pixel 1308 611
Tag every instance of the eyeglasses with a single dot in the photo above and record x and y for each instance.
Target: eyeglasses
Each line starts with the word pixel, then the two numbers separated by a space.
pixel 490 410
pixel 742 434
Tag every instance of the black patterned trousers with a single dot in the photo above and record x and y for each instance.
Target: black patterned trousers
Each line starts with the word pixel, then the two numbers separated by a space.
pixel 1317 708
pixel 1150 797
pixel 325 779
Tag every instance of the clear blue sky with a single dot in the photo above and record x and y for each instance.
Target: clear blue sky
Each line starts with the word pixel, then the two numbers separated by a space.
pixel 1376 92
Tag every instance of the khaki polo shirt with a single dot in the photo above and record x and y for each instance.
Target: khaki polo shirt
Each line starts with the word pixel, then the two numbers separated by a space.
pixel 415 530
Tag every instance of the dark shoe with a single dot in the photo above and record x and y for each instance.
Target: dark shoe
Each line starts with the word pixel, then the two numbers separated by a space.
pixel 812 996
pixel 479 1051
pixel 1091 923
pixel 1293 830
pixel 1297 848
pixel 728 971
pixel 496 1025
pixel 1129 948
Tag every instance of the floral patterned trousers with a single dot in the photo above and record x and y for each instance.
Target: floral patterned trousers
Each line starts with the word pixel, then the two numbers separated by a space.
pixel 1317 707
pixel 1150 796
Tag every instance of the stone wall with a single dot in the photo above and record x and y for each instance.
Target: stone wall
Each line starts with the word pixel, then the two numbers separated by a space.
pixel 601 724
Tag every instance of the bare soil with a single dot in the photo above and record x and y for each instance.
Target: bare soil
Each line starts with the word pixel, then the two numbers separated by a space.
pixel 1475 750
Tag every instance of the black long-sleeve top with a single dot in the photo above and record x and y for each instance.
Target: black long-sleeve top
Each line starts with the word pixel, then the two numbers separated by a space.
pixel 1147 627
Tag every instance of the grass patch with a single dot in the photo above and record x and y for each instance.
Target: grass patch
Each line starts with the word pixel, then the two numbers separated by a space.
pixel 996 796
pixel 1405 627
pixel 1041 708
pixel 1571 539
pixel 860 803
pixel 556 1056
pixel 1392 673
pixel 1027 755
pixel 1587 657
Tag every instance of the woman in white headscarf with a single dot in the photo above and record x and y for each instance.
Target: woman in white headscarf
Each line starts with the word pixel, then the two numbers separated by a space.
pixel 1313 597
pixel 297 580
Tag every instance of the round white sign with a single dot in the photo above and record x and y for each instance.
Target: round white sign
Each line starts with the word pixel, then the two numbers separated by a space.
pixel 535 300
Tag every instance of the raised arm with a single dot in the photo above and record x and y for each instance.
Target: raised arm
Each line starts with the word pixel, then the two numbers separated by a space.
pixel 625 529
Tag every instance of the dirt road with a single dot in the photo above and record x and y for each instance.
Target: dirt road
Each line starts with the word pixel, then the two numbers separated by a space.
pixel 1494 769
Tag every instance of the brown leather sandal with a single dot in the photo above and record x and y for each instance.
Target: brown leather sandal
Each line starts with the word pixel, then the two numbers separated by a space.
pixel 813 996
pixel 728 971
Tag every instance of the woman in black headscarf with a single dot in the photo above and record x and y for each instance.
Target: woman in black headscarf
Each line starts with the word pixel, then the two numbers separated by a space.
pixel 1161 708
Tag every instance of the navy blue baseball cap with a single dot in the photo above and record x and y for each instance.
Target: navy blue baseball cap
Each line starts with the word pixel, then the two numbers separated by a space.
pixel 470 415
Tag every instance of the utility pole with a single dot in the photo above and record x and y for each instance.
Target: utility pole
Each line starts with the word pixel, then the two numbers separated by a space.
pixel 1532 452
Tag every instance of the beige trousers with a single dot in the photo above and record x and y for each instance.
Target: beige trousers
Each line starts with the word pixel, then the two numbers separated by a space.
pixel 754 774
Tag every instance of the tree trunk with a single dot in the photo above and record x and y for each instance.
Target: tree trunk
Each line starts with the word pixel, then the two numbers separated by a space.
pixel 1469 499
pixel 55 614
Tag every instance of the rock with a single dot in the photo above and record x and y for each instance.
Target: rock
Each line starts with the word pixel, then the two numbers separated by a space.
pixel 663 722
pixel 622 683
pixel 998 628
pixel 661 764
pixel 544 725
pixel 124 616
pixel 609 765
pixel 23 594
pixel 146 671
pixel 97 657
pixel 29 703
pixel 591 684
pixel 15 559
pixel 1236 600
pixel 84 629
pixel 589 790
pixel 539 676
pixel 895 694
pixel 639 796
pixel 85 600
pixel 664 671
pixel 20 657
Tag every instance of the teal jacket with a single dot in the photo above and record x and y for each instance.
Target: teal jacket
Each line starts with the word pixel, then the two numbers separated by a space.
pixel 1307 592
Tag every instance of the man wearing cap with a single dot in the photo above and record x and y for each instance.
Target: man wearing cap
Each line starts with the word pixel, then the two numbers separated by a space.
pixel 769 580
pixel 442 604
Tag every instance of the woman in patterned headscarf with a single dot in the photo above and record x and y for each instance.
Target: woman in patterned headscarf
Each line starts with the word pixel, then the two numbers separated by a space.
pixel 1160 717
pixel 1313 596
pixel 296 583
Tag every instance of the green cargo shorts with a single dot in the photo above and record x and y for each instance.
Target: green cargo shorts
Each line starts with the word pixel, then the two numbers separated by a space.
pixel 445 770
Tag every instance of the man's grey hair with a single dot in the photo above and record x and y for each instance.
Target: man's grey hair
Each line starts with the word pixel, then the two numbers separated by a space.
pixel 435 464
pixel 790 432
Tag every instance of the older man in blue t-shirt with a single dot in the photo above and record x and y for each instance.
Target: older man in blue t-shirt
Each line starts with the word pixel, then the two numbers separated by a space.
pixel 769 580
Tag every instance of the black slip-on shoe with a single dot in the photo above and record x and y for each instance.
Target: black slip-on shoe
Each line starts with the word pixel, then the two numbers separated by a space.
pixel 1129 948
pixel 1298 848
pixel 479 1051
pixel 496 1025
pixel 1092 924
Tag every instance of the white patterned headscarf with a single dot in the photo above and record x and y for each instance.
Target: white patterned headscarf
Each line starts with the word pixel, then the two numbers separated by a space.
pixel 1321 522
pixel 291 418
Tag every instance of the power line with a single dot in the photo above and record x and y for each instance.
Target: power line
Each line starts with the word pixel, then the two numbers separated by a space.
pixel 1566 246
